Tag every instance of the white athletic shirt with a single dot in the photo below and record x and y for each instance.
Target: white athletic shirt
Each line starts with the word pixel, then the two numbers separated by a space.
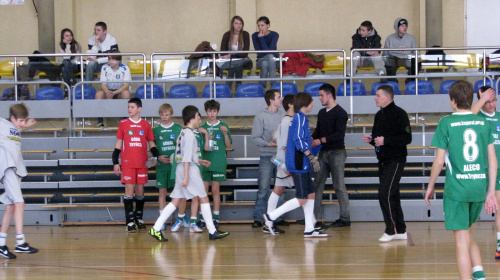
pixel 187 149
pixel 114 79
pixel 281 143
pixel 10 143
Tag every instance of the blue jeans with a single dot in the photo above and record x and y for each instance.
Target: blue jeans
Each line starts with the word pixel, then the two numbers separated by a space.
pixel 267 172
pixel 92 67
pixel 267 66
pixel 68 70
pixel 332 161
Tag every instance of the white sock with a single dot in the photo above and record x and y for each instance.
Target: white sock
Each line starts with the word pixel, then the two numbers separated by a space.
pixel 216 212
pixel 207 216
pixel 160 212
pixel 3 238
pixel 308 208
pixel 272 202
pixel 167 211
pixel 286 207
pixel 477 268
pixel 20 239
pixel 498 235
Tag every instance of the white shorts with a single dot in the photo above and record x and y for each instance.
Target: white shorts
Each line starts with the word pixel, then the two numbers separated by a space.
pixel 284 182
pixel 12 184
pixel 195 185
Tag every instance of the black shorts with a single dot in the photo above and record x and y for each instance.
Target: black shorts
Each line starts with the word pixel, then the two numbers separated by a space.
pixel 303 184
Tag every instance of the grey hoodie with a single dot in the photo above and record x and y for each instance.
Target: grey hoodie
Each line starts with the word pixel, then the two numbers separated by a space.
pixel 394 41
pixel 264 124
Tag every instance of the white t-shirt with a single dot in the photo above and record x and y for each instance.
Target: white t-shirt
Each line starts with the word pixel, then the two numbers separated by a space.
pixel 10 143
pixel 187 149
pixel 115 79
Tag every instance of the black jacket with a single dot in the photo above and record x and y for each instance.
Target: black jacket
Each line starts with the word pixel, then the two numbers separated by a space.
pixel 371 42
pixel 392 122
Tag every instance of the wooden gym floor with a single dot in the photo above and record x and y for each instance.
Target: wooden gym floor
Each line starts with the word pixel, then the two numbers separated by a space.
pixel 107 252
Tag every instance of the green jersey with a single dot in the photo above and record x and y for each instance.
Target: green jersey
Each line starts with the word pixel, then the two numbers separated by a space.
pixel 200 138
pixel 466 137
pixel 165 140
pixel 494 121
pixel 217 156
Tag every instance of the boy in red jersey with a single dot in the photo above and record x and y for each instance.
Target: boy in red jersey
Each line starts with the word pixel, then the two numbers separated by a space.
pixel 134 134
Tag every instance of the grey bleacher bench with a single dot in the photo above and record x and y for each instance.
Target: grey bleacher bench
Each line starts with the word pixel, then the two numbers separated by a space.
pixel 56 130
pixel 71 196
pixel 45 162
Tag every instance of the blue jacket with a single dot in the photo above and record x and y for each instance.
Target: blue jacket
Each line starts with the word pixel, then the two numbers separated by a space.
pixel 299 141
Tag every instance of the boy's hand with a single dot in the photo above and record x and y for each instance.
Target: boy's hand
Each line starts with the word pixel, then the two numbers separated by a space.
pixel 272 144
pixel 488 94
pixel 490 204
pixel 316 142
pixel 29 123
pixel 117 170
pixel 204 162
pixel 429 194
pixel 379 141
pixel 223 129
pixel 164 159
pixel 202 130
pixel 185 181
pixel 367 138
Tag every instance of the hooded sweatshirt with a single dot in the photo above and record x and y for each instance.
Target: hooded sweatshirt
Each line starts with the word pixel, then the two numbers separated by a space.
pixel 371 41
pixel 394 41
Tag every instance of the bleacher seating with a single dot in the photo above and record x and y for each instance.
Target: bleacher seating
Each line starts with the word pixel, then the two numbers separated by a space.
pixel 250 90
pixel 288 88
pixel 444 88
pixel 88 92
pixel 394 85
pixel 480 83
pixel 157 92
pixel 424 87
pixel 358 89
pixel 49 93
pixel 313 88
pixel 222 91
pixel 19 88
pixel 182 91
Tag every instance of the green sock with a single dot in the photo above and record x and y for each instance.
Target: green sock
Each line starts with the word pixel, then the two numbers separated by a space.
pixel 193 220
pixel 216 217
pixel 478 275
pixel 200 217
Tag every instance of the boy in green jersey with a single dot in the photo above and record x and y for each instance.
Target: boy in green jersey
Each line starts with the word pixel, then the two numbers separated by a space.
pixel 465 142
pixel 485 107
pixel 166 135
pixel 215 152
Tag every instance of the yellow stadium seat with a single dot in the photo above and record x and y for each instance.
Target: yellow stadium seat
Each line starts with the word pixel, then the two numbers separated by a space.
pixel 465 60
pixel 334 63
pixel 7 68
pixel 137 66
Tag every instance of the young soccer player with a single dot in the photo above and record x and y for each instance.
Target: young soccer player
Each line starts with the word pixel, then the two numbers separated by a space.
pixel 188 182
pixel 485 107
pixel 12 170
pixel 215 152
pixel 298 162
pixel 133 136
pixel 165 139
pixel 465 142
pixel 283 177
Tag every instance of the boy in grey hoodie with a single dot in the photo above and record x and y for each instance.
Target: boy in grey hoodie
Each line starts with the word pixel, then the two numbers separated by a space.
pixel 400 39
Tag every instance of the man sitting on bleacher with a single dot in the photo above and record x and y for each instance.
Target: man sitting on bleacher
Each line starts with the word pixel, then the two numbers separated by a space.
pixel 100 42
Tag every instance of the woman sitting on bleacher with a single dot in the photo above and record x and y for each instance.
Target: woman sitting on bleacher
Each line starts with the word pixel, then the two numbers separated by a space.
pixel 236 39
pixel 266 39
pixel 70 64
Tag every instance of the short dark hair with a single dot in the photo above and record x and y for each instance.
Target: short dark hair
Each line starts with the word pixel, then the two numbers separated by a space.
pixel 302 99
pixel 264 19
pixel 462 92
pixel 367 24
pixel 188 113
pixel 18 111
pixel 114 56
pixel 102 24
pixel 482 89
pixel 329 89
pixel 287 100
pixel 387 89
pixel 136 101
pixel 269 95
pixel 212 104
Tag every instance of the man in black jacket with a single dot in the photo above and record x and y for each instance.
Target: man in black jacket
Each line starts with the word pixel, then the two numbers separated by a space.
pixel 366 37
pixel 390 134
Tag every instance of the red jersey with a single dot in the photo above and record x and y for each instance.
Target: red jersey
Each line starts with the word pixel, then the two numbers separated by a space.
pixel 135 136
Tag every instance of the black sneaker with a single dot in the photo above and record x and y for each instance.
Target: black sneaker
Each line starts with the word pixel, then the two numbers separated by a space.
pixel 201 224
pixel 282 223
pixel 140 224
pixel 256 224
pixel 276 230
pixel 216 224
pixel 4 251
pixel 319 226
pixel 25 248
pixel 130 227
pixel 157 235
pixel 341 223
pixel 314 234
pixel 218 235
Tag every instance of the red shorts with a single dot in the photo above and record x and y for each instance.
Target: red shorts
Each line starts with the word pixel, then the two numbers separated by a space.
pixel 134 175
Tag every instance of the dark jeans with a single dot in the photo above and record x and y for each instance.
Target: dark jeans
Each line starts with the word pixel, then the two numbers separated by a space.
pixel 68 70
pixel 235 69
pixel 389 198
pixel 50 69
pixel 392 64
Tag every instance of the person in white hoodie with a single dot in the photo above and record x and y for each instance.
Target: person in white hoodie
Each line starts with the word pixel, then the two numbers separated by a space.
pixel 100 42
pixel 395 59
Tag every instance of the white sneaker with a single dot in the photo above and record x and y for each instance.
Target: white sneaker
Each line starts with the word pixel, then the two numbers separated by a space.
pixel 186 222
pixel 401 236
pixel 314 234
pixel 195 228
pixel 386 237
pixel 178 224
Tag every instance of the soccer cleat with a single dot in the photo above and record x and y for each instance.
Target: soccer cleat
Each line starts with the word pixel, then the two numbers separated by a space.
pixel 283 223
pixel 216 224
pixel 319 226
pixel 276 230
pixel 341 223
pixel 195 228
pixel 218 235
pixel 4 251
pixel 130 227
pixel 269 224
pixel 157 235
pixel 140 224
pixel 201 224
pixel 497 255
pixel 178 224
pixel 386 237
pixel 401 236
pixel 314 234
pixel 25 248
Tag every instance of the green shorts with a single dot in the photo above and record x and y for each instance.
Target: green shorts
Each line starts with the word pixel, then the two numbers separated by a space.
pixel 497 186
pixel 209 176
pixel 459 215
pixel 164 180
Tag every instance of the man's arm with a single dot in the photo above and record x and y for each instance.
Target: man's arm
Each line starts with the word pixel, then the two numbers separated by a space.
pixel 403 136
pixel 490 204
pixel 258 132
pixel 437 166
